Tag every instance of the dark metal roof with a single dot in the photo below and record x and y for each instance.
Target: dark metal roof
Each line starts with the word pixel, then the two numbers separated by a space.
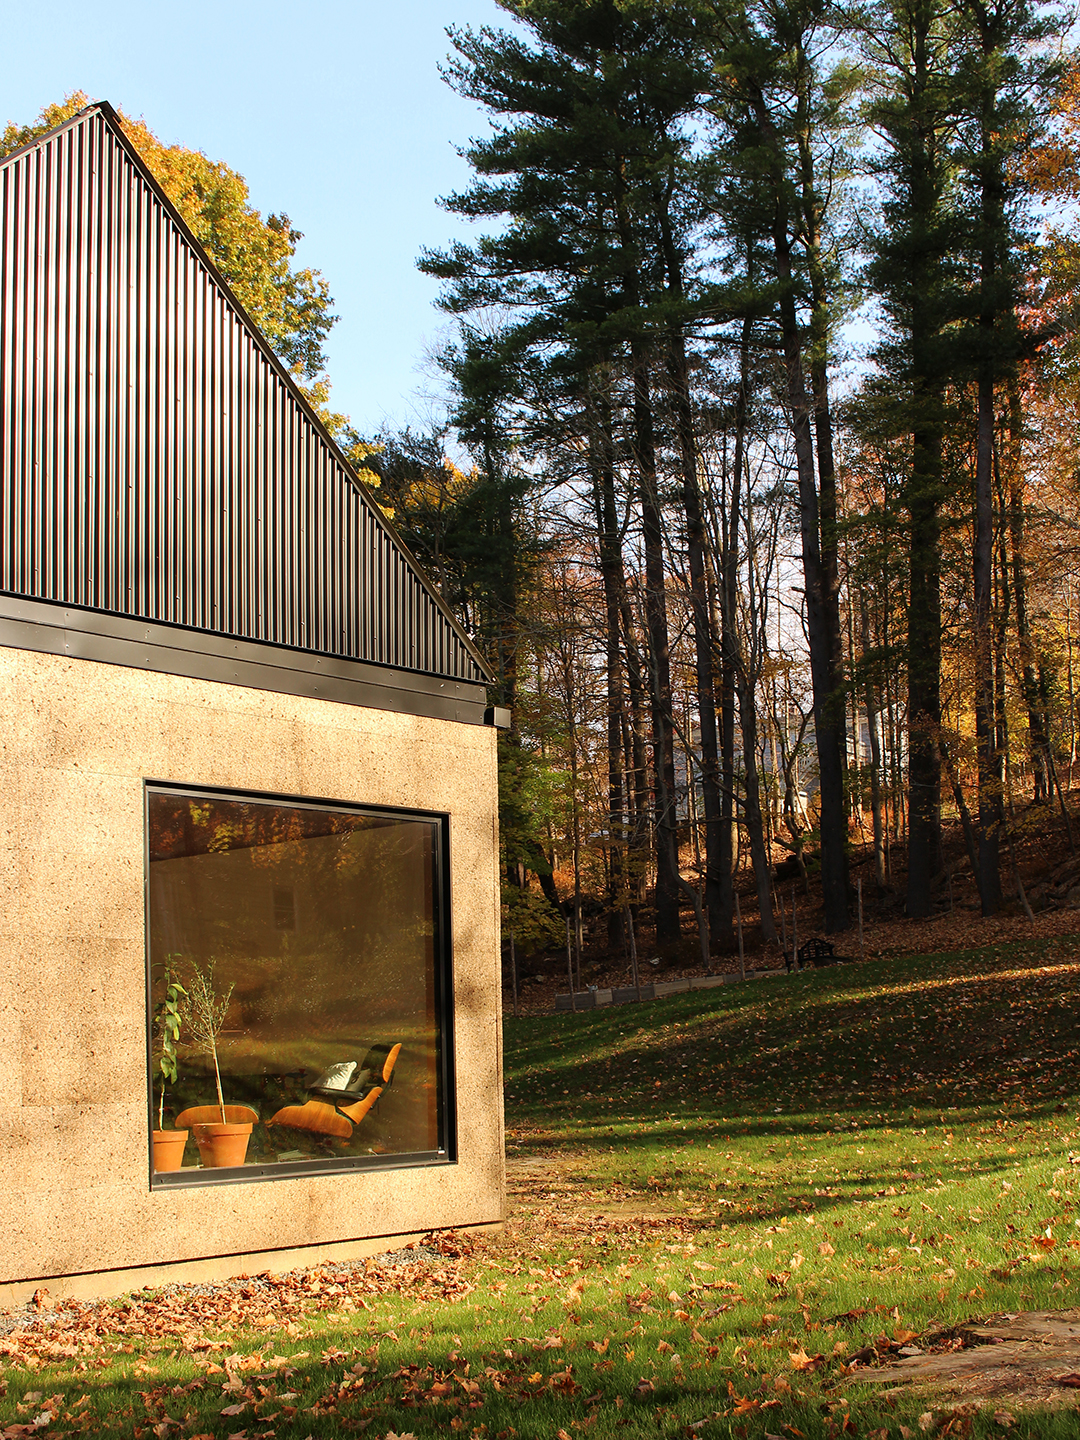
pixel 157 461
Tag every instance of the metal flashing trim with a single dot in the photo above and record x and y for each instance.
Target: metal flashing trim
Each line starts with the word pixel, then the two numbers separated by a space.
pixel 56 629
pixel 295 1170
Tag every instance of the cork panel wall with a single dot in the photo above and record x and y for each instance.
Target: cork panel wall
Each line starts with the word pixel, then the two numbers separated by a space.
pixel 77 741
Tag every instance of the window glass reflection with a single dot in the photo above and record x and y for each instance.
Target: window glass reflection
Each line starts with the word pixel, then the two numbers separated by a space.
pixel 300 947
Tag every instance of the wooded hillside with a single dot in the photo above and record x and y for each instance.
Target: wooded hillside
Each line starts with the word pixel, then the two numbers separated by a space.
pixel 759 485
pixel 766 374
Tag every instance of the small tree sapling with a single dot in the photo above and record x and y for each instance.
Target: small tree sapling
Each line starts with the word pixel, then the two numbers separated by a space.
pixel 168 1022
pixel 204 1009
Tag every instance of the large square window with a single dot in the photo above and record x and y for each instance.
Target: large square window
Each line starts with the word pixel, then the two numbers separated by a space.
pixel 298 983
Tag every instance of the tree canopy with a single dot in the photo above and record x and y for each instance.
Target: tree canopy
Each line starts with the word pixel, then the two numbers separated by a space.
pixel 292 306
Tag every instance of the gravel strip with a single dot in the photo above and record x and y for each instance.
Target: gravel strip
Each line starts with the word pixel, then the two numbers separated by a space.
pixel 29 1316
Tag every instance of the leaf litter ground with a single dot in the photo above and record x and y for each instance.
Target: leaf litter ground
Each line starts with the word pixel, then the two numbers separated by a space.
pixel 805 1208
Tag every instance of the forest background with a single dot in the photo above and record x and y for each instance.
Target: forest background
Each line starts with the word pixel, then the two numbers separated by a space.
pixel 760 485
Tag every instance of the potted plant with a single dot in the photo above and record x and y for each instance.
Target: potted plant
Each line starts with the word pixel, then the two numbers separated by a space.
pixel 168 1145
pixel 222 1132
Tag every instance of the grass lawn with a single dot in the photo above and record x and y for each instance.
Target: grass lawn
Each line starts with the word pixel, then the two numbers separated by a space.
pixel 726 1206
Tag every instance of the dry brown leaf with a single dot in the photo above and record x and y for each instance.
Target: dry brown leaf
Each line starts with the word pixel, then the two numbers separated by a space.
pixel 800 1360
pixel 746 1405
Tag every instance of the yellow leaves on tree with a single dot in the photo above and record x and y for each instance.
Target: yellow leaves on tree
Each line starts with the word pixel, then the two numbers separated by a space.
pixel 1052 167
pixel 291 307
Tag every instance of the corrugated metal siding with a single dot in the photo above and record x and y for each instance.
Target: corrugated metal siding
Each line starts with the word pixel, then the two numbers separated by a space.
pixel 153 461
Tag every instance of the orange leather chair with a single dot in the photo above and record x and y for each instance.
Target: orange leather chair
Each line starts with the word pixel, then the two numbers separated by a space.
pixel 326 1114
pixel 384 1074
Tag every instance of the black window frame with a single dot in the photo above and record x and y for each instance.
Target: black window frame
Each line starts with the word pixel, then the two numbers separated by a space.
pixel 446 1108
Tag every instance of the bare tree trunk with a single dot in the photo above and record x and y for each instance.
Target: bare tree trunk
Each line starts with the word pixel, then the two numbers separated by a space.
pixel 744 681
pixel 870 704
pixel 752 807
pixel 719 921
pixel 639 754
pixel 729 592
pixel 812 209
pixel 828 701
pixel 970 838
pixel 611 572
pixel 924 680
pixel 991 814
pixel 924 488
pixel 1038 745
pixel 727 764
pixel 656 617
pixel 659 666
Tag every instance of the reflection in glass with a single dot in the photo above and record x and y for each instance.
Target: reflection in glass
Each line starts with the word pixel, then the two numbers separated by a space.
pixel 318 926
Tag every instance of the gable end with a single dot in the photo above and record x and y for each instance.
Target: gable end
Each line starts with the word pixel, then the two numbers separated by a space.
pixel 157 462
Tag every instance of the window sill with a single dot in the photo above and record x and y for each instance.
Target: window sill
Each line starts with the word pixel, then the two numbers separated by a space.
pixel 295 1170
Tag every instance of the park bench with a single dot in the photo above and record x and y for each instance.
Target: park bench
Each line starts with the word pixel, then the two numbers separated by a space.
pixel 815 952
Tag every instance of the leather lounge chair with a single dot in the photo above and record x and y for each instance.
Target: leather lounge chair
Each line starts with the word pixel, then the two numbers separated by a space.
pixel 343 1095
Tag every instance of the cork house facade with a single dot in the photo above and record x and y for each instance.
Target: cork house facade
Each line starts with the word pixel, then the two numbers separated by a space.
pixel 248 885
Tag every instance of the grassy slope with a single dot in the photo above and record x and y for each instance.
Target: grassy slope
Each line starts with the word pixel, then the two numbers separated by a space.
pixel 822 1160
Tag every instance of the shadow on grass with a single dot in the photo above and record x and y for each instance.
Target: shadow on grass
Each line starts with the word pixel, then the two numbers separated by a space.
pixel 745 1108
pixel 973 1029
pixel 891 1052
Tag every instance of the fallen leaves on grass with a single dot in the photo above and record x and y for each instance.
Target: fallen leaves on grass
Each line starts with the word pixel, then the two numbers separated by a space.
pixel 597 1266
pixel 800 1360
pixel 182 1313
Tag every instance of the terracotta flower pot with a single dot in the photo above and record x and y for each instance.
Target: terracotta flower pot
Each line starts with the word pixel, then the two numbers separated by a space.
pixel 222 1145
pixel 169 1149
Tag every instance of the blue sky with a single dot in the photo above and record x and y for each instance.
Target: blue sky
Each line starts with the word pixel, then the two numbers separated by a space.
pixel 334 113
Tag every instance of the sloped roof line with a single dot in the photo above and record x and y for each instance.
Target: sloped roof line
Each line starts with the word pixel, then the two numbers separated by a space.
pixel 113 120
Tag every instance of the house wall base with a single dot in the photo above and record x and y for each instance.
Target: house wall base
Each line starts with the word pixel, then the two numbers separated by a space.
pixel 108 1284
